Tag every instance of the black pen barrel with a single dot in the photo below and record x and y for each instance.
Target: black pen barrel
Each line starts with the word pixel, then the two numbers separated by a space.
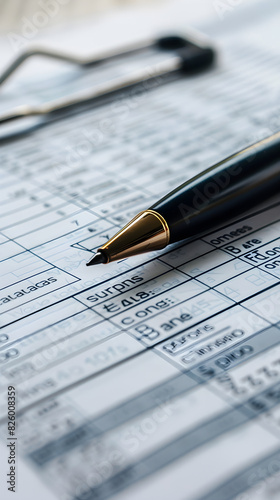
pixel 224 191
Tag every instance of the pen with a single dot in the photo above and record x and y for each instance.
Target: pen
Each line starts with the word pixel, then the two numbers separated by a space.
pixel 218 194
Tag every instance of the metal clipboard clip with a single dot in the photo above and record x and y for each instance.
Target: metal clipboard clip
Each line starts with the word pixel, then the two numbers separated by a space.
pixel 190 55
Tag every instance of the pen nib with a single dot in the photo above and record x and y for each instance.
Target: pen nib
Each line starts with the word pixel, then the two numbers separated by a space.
pixel 98 258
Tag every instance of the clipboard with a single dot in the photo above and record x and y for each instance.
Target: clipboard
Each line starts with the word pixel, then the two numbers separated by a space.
pixel 190 54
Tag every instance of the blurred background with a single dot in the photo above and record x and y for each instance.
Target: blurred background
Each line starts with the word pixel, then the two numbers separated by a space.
pixel 12 11
pixel 83 28
pixel 86 26
pixel 24 17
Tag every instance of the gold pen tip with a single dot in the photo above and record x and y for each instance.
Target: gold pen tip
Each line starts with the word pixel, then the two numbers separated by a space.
pixel 98 258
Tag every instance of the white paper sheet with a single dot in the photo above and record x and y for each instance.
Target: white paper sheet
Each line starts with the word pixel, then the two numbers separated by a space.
pixel 158 376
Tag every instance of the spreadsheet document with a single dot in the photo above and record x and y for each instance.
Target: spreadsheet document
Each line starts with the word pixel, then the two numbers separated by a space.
pixel 156 377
